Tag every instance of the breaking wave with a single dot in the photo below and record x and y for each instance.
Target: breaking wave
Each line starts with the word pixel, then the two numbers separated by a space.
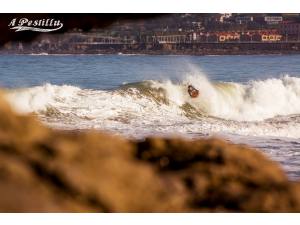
pixel 261 107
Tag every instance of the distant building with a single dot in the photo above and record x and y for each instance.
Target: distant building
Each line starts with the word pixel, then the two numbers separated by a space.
pixel 290 28
pixel 225 16
pixel 229 36
pixel 271 37
pixel 273 19
pixel 243 19
pixel 162 39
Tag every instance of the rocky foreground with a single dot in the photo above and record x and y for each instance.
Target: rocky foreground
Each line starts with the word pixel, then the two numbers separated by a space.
pixel 42 170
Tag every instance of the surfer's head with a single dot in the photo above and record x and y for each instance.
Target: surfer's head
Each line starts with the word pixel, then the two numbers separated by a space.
pixel 193 92
pixel 190 88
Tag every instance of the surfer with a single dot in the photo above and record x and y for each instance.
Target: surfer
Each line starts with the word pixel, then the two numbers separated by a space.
pixel 193 92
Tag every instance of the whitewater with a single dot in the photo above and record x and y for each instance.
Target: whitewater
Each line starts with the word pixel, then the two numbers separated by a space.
pixel 258 108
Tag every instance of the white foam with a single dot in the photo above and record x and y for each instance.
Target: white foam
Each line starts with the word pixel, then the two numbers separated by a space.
pixel 254 101
pixel 38 98
pixel 240 108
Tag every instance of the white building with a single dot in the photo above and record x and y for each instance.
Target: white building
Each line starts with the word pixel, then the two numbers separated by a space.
pixel 273 19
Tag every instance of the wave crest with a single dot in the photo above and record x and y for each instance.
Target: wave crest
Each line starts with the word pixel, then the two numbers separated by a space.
pixel 163 104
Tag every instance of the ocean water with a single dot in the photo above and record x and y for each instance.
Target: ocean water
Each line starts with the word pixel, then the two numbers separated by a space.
pixel 253 100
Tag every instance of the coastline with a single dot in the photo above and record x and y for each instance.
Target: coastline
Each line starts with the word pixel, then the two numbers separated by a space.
pixel 196 49
pixel 259 53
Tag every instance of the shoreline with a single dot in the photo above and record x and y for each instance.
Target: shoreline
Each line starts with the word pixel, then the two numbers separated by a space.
pixel 152 54
pixel 193 49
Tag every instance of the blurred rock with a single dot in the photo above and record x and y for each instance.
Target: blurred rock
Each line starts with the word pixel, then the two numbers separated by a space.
pixel 43 170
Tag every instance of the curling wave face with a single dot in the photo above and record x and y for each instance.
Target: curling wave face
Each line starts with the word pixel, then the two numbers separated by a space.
pixel 258 108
